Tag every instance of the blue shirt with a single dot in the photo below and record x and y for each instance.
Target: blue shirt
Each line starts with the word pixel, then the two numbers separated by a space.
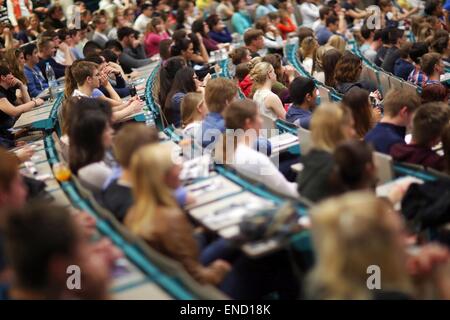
pixel 174 114
pixel 403 68
pixel 447 5
pixel 384 135
pixel 298 116
pixel 36 82
pixel 241 22
pixel 222 37
pixel 262 10
pixel 97 93
pixel 323 34
pixel 212 127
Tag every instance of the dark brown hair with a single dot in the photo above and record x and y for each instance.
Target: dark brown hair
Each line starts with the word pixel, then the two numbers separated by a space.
pixel 357 100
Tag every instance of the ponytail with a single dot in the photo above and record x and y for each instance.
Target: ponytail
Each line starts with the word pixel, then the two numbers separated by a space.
pixel 70 83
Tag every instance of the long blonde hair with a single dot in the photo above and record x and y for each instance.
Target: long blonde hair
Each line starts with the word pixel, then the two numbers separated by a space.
pixel 149 167
pixel 12 59
pixel 327 125
pixel 351 233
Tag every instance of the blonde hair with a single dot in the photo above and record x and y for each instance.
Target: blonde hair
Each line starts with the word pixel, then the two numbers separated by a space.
pixel 252 63
pixel 12 59
pixel 337 42
pixel 319 57
pixel 327 125
pixel 351 233
pixel 260 73
pixel 149 167
pixel 308 47
pixel 189 107
pixel 219 92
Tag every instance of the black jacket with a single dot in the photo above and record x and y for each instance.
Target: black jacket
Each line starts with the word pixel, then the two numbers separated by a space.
pixel 313 180
pixel 427 205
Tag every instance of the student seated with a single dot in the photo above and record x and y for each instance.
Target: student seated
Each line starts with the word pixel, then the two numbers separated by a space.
pixel 83 78
pixel 404 65
pixel 157 218
pixel 90 135
pixel 13 194
pixel 347 74
pixel 185 81
pixel 357 230
pixel 269 104
pixel 398 106
pixel 243 123
pixel 254 41
pixel 47 50
pixel 285 76
pixel 434 93
pixel 117 197
pixel 427 126
pixel 331 124
pixel 113 72
pixel 193 111
pixel 246 83
pixel 131 51
pixel 219 93
pixel 364 114
pixel 41 242
pixel 167 74
pixel 11 106
pixel 218 31
pixel 303 93
pixel 354 168
pixel 36 81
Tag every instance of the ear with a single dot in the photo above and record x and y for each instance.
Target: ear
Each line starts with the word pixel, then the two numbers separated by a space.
pixel 404 111
pixel 57 267
pixel 248 123
pixel 371 168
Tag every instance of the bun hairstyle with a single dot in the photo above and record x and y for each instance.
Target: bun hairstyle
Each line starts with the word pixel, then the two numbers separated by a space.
pixel 260 73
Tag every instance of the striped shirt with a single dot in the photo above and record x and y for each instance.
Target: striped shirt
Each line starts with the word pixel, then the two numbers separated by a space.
pixel 4 15
pixel 418 77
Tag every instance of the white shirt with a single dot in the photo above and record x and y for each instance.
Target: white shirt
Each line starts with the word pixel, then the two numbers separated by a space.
pixel 25 12
pixel 141 23
pixel 310 13
pixel 94 175
pixel 319 76
pixel 260 97
pixel 307 63
pixel 273 42
pixel 317 25
pixel 192 132
pixel 60 57
pixel 258 167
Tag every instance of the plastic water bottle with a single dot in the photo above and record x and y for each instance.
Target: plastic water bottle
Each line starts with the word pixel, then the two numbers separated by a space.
pixel 52 83
pixel 149 119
